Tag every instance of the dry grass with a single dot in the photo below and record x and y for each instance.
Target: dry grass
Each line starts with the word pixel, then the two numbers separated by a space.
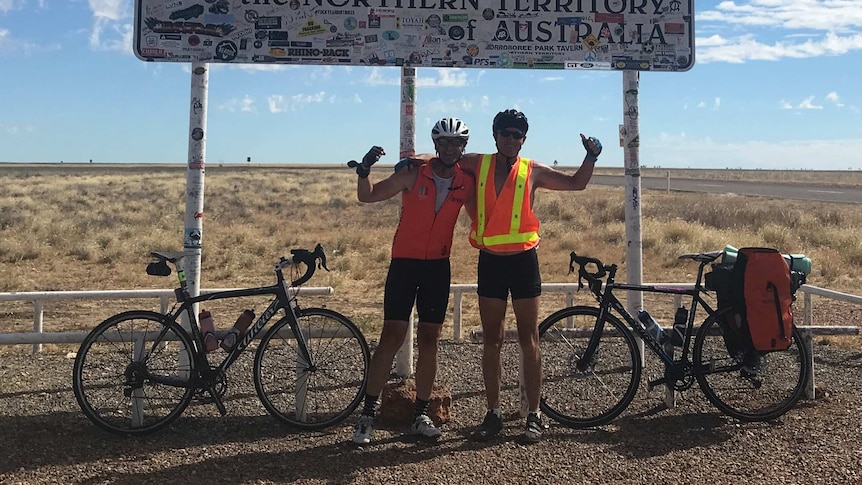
pixel 91 227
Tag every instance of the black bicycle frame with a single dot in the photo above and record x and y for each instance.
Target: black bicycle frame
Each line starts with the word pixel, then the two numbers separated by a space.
pixel 280 302
pixel 608 300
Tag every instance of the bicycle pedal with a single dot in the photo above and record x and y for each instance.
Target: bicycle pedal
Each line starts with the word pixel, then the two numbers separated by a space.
pixel 218 402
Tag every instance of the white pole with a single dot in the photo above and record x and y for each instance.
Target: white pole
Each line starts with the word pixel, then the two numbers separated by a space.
pixel 193 226
pixel 38 314
pixel 631 152
pixel 193 231
pixel 634 241
pixel 404 357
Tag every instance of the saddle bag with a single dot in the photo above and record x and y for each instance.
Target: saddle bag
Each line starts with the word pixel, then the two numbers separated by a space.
pixel 755 292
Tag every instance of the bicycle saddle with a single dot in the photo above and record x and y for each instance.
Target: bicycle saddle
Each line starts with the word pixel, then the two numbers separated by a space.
pixel 160 267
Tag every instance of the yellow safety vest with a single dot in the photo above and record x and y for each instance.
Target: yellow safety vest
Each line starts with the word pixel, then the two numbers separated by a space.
pixel 504 222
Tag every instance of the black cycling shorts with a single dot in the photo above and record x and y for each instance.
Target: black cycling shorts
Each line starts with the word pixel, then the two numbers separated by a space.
pixel 516 273
pixel 424 282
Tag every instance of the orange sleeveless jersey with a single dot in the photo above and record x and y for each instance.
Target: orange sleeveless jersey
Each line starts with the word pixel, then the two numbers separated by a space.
pixel 421 233
pixel 505 223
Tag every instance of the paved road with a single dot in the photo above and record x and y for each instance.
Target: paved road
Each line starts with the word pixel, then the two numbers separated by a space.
pixel 850 195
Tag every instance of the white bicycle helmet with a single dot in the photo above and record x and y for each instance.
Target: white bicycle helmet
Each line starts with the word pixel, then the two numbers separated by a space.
pixel 450 128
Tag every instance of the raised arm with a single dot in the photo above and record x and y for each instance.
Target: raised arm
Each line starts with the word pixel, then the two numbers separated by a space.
pixel 384 189
pixel 549 178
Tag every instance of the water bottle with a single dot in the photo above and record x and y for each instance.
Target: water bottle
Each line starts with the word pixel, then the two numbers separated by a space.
pixel 237 330
pixel 680 321
pixel 652 327
pixel 207 326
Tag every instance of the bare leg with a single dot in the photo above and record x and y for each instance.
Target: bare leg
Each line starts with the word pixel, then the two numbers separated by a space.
pixel 426 365
pixel 527 315
pixel 492 312
pixel 391 339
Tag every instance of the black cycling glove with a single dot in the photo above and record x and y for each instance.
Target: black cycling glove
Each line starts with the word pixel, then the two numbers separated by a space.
pixel 592 155
pixel 370 158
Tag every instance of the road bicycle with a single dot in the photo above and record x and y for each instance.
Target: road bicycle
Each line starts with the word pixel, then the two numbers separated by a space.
pixel 592 364
pixel 137 371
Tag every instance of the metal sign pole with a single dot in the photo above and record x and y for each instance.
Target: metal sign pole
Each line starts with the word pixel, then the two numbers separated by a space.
pixel 407 148
pixel 630 132
pixel 193 232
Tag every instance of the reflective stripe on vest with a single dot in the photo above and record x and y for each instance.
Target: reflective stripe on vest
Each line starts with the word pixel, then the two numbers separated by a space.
pixel 515 239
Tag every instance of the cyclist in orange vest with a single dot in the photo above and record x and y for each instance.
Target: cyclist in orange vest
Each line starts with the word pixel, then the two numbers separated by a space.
pixel 431 199
pixel 506 231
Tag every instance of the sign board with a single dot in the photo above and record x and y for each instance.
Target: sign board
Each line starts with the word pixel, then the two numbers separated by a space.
pixel 644 35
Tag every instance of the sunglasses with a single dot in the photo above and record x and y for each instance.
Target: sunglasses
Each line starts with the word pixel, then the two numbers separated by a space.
pixel 516 135
pixel 445 142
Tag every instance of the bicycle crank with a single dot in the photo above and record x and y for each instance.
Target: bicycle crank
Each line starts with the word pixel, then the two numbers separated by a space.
pixel 213 388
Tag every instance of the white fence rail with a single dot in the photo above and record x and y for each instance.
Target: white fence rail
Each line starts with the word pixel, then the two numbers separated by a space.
pixel 38 298
pixel 570 288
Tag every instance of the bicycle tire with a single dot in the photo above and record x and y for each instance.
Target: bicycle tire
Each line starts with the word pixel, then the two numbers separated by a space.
pixel 312 398
pixel 763 394
pixel 594 396
pixel 113 370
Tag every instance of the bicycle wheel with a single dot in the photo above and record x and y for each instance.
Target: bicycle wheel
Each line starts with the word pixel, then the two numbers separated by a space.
pixel 312 395
pixel 769 385
pixel 131 373
pixel 593 396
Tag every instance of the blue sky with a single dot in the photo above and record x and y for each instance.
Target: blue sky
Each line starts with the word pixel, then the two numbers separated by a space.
pixel 776 85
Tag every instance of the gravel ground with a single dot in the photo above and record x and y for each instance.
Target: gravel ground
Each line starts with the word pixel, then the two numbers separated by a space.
pixel 46 438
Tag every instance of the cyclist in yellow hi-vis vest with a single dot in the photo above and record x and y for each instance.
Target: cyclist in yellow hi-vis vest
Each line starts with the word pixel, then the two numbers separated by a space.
pixel 506 231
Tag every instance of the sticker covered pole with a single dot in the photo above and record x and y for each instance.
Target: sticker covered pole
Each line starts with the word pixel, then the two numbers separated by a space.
pixel 193 225
pixel 631 156
pixel 407 148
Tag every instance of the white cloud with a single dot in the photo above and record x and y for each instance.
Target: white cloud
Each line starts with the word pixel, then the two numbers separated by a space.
pixel 679 150
pixel 716 103
pixel 446 78
pixel 276 103
pixel 110 32
pixel 826 15
pixel 452 107
pixel 9 5
pixel 10 45
pixel 746 47
pixel 279 104
pixel 254 67
pixel 808 103
pixel 807 28
pixel 833 97
pixel 710 41
pixel 378 77
pixel 110 9
pixel 441 78
pixel 14 129
pixel 245 105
